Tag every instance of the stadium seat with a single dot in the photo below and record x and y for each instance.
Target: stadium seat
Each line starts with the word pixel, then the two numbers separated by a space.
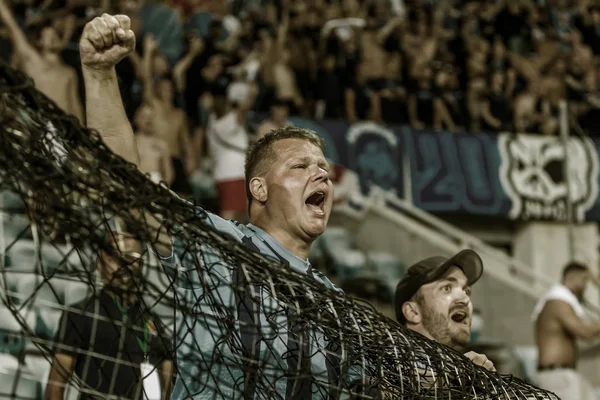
pixel 16 381
pixel 527 356
pixel 47 322
pixel 388 270
pixel 32 290
pixel 15 226
pixel 11 202
pixel 23 256
pixel 349 264
pixel 203 185
pixel 39 369
pixel 11 332
pixel 335 239
pixel 385 265
pixel 75 291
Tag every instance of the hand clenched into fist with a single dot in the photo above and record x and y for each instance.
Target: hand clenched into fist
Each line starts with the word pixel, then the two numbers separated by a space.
pixel 105 41
pixel 481 359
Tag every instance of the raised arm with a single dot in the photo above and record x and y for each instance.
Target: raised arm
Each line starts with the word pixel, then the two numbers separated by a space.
pixel 182 66
pixel 150 46
pixel 22 46
pixel 105 41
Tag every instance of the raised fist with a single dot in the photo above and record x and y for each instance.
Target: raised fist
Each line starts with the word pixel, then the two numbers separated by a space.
pixel 105 41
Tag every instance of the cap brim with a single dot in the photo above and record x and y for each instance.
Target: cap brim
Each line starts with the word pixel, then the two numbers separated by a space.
pixel 468 261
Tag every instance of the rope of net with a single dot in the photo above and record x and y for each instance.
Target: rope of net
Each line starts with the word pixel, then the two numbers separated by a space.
pixel 71 185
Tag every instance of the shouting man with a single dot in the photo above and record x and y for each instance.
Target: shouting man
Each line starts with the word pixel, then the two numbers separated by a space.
pixel 290 197
pixel 434 299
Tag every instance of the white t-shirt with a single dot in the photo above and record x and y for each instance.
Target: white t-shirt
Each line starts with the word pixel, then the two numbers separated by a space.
pixel 227 141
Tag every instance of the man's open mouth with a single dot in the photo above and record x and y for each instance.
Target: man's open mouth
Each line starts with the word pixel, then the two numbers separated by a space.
pixel 460 317
pixel 316 202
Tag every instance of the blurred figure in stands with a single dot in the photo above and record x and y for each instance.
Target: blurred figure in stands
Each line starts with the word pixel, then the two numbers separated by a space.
pixel 114 345
pixel 155 158
pixel 558 318
pixel 169 123
pixel 279 118
pixel 227 142
pixel 44 64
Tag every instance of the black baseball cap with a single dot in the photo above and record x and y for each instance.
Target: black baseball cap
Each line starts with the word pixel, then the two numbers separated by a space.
pixel 432 269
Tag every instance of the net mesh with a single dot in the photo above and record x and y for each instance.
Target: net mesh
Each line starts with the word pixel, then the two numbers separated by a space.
pixel 234 323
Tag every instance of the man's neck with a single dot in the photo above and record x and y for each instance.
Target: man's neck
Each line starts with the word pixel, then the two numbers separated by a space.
pixel 51 57
pixel 298 247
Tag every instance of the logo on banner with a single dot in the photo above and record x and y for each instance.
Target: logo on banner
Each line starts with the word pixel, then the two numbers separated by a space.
pixel 373 155
pixel 533 175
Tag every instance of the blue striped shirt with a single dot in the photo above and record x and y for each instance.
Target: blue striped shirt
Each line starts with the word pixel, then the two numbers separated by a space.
pixel 265 349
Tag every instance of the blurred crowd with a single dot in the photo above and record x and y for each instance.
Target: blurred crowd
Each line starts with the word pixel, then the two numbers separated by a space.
pixel 209 76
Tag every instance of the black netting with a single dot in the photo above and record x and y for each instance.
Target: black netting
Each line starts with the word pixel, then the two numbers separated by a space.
pixel 245 326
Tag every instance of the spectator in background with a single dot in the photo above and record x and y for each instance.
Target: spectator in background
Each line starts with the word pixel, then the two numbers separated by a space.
pixel 496 111
pixel 423 105
pixel 278 119
pixel 169 122
pixel 277 66
pixel 228 141
pixel 43 63
pixel 112 344
pixel 580 79
pixel 155 158
pixel 558 319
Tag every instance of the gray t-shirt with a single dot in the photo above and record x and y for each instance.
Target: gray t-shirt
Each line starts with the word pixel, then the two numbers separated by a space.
pixel 281 360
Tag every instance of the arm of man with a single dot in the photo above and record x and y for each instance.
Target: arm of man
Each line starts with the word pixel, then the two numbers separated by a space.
pixel 572 322
pixel 166 378
pixel 105 41
pixel 74 100
pixel 150 47
pixel 23 48
pixel 60 372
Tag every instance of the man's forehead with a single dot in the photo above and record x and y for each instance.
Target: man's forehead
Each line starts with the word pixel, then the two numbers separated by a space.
pixel 454 274
pixel 297 148
pixel 294 143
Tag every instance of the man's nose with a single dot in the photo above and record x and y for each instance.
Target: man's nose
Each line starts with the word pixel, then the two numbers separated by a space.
pixel 463 298
pixel 320 174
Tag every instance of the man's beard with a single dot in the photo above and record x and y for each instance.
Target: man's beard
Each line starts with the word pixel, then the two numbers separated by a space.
pixel 439 327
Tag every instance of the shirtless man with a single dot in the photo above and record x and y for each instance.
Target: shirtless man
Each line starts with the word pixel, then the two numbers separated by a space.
pixel 434 299
pixel 51 76
pixel 154 153
pixel 372 68
pixel 169 123
pixel 279 118
pixel 558 323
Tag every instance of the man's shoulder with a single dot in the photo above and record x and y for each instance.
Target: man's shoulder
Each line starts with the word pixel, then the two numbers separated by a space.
pixel 555 307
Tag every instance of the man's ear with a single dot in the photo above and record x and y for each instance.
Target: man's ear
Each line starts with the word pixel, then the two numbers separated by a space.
pixel 411 312
pixel 258 189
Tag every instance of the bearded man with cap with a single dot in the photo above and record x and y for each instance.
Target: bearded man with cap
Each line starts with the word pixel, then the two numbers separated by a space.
pixel 434 299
